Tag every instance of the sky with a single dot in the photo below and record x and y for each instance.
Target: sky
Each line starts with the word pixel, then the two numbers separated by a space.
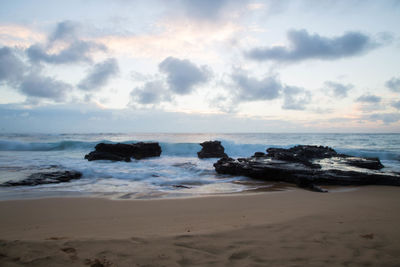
pixel 83 66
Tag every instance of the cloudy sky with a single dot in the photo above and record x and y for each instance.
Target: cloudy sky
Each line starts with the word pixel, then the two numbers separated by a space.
pixel 200 66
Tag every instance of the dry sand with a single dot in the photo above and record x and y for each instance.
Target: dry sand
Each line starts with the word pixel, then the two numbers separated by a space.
pixel 292 228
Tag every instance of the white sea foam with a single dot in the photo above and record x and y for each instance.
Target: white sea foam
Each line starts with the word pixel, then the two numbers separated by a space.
pixel 21 155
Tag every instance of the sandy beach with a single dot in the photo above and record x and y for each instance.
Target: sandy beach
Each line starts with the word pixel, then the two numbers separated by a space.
pixel 288 228
pixel 199 133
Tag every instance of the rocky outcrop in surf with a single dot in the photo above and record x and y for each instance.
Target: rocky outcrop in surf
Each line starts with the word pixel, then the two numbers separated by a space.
pixel 309 166
pixel 124 152
pixel 46 178
pixel 212 149
pixel 306 154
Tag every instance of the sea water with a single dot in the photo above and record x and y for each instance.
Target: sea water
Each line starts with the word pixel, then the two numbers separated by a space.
pixel 178 172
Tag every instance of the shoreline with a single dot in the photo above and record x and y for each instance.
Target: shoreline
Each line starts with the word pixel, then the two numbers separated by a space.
pixel 279 228
pixel 126 196
pixel 264 187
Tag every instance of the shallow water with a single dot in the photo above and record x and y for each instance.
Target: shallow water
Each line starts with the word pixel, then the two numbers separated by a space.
pixel 178 166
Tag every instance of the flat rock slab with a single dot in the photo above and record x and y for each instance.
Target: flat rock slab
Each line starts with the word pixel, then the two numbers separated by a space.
pixel 124 152
pixel 301 165
pixel 46 178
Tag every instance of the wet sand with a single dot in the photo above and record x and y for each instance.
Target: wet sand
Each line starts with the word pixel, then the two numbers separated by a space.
pixel 287 228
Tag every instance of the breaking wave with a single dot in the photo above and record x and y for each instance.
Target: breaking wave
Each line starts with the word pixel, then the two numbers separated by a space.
pixel 233 149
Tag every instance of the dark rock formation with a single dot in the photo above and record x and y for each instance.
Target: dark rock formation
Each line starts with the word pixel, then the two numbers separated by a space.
pixel 309 184
pixel 305 155
pixel 305 166
pixel 212 149
pixel 181 186
pixel 302 154
pixel 367 163
pixel 46 178
pixel 124 152
pixel 259 154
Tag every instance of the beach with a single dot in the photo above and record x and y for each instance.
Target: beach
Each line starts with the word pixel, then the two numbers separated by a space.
pixel 287 228
pixel 199 133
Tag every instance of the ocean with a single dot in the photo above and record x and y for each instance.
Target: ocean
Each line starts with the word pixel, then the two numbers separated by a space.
pixel 176 173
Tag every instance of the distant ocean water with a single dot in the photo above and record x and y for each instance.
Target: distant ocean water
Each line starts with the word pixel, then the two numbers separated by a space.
pixel 24 154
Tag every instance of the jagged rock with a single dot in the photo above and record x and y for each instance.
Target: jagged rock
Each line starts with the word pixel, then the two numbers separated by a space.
pixel 124 152
pixel 259 154
pixel 298 165
pixel 212 149
pixel 302 154
pixel 46 178
pixel 367 163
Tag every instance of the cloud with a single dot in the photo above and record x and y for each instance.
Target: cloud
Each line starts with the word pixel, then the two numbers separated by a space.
pixel 33 84
pixel 65 30
pixel 181 78
pixel 368 98
pixel 175 37
pixel 37 86
pixel 183 75
pixel 76 52
pixel 152 92
pixel 71 49
pixel 386 118
pixel 19 36
pixel 253 89
pixel 304 46
pixel 223 102
pixel 396 104
pixel 213 10
pixel 393 84
pixel 246 88
pixel 11 67
pixel 338 90
pixel 89 119
pixel 99 75
pixel 203 9
pixel 295 98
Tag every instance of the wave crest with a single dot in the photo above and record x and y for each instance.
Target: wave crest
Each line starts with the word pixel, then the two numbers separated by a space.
pixel 180 149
